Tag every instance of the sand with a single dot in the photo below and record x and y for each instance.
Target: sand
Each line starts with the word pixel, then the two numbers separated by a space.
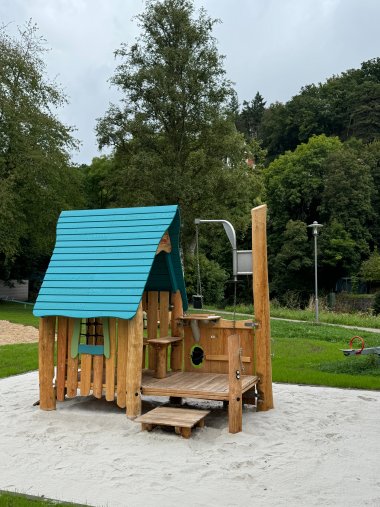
pixel 16 333
pixel 320 446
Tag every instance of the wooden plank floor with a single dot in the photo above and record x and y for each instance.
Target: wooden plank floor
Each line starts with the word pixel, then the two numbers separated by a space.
pixel 207 386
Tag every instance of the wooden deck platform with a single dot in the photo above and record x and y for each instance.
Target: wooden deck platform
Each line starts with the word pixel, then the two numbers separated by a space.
pixel 206 386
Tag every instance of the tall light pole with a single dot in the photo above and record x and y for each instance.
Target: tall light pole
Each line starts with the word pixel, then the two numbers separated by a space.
pixel 315 226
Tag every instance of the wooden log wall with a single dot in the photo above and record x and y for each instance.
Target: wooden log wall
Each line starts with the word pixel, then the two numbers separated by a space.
pixel 97 375
pixel 176 330
pixel 214 342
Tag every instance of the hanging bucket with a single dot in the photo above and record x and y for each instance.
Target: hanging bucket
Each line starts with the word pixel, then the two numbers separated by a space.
pixel 197 301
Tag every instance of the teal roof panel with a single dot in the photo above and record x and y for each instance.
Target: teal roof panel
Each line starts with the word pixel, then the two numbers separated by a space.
pixel 104 259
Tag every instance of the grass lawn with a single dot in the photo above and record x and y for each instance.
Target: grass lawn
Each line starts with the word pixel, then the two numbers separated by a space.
pixel 347 319
pixel 18 500
pixel 18 313
pixel 16 359
pixel 303 353
pixel 310 354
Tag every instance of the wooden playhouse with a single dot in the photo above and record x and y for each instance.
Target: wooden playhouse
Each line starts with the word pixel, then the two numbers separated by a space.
pixel 111 267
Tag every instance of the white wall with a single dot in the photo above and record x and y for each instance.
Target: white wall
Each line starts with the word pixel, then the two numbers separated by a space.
pixel 18 292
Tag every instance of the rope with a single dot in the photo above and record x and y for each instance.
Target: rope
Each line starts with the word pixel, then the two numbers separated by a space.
pixel 199 282
pixel 234 327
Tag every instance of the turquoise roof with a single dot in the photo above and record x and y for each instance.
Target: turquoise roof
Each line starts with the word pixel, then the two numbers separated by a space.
pixel 104 259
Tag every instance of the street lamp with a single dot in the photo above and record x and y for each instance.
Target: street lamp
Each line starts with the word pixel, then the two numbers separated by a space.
pixel 315 226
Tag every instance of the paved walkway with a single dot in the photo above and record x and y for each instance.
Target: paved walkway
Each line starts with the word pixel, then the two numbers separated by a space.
pixel 358 328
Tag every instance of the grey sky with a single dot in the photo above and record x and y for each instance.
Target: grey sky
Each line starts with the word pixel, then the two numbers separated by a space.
pixel 271 46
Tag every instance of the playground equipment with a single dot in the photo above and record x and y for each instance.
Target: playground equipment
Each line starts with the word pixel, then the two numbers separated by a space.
pixel 362 351
pixel 108 266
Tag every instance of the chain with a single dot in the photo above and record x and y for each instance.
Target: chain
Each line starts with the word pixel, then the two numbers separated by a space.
pixel 234 326
pixel 199 282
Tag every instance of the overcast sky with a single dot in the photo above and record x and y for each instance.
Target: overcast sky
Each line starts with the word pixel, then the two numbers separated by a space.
pixel 271 46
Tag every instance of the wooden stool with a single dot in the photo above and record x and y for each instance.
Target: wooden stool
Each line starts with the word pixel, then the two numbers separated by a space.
pixel 182 419
pixel 161 345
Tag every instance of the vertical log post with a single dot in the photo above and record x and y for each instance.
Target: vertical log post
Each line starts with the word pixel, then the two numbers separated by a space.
pixel 235 405
pixel 72 364
pixel 61 356
pixel 134 362
pixel 86 359
pixel 177 330
pixel 98 364
pixel 46 363
pixel 164 314
pixel 111 362
pixel 122 345
pixel 261 306
pixel 152 313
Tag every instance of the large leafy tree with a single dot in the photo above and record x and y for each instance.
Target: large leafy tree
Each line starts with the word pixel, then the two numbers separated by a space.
pixel 322 180
pixel 347 200
pixel 36 181
pixel 173 133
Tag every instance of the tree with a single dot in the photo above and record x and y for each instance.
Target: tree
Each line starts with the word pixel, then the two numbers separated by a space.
pixel 346 105
pixel 96 176
pixel 173 134
pixel 291 266
pixel 294 182
pixel 36 181
pixel 328 181
pixel 347 200
pixel 249 119
pixel 371 156
pixel 370 269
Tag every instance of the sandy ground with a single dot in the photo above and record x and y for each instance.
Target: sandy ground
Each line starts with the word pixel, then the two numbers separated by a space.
pixel 320 446
pixel 16 333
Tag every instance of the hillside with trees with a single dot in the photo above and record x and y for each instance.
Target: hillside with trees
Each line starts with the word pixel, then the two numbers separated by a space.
pixel 179 136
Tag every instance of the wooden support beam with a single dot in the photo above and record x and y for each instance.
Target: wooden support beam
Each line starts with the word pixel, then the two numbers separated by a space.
pixel 152 314
pixel 161 362
pixel 98 363
pixel 111 363
pixel 134 363
pixel 164 313
pixel 122 344
pixel 177 330
pixel 144 301
pixel 235 405
pixel 61 357
pixel 72 364
pixel 85 374
pixel 177 312
pixel 46 363
pixel 261 306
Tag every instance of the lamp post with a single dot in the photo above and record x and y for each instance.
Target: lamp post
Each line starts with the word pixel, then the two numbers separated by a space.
pixel 315 226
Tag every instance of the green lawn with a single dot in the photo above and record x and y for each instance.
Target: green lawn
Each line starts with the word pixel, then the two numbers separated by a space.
pixel 310 354
pixel 18 500
pixel 304 353
pixel 18 313
pixel 16 359
pixel 347 319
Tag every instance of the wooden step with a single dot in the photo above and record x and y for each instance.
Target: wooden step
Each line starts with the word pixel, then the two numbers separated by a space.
pixel 182 419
